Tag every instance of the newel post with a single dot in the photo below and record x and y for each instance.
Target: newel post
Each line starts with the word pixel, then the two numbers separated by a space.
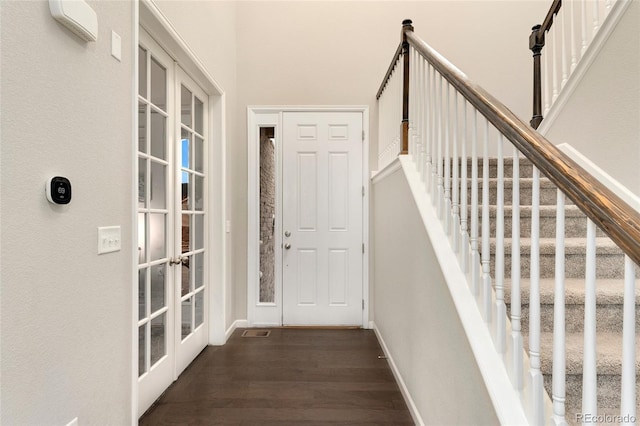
pixel 406 26
pixel 536 43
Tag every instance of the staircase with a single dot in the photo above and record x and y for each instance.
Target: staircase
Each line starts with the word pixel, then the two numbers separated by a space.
pixel 609 284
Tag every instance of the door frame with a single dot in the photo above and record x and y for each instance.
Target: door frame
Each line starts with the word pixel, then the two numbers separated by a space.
pixel 146 14
pixel 270 314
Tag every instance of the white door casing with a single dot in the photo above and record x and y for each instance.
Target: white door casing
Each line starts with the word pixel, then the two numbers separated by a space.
pixel 322 218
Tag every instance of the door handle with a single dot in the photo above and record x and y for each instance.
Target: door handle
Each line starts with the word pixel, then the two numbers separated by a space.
pixel 287 246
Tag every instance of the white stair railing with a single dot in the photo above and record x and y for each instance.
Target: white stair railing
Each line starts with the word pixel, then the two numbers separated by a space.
pixel 438 139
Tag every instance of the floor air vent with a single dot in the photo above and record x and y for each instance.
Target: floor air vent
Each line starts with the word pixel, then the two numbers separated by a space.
pixel 256 333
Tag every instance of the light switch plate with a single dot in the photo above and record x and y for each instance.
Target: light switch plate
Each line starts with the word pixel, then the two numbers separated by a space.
pixel 116 46
pixel 109 239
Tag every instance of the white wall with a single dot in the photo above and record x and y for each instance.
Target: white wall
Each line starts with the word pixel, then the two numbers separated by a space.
pixel 337 52
pixel 602 117
pixel 416 317
pixel 66 312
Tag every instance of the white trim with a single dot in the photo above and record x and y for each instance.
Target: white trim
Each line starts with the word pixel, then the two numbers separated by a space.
pixel 505 400
pixel 271 116
pixel 134 217
pixel 386 171
pixel 617 11
pixel 415 414
pixel 236 324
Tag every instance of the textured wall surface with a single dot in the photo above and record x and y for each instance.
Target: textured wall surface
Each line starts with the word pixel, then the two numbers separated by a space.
pixel 66 311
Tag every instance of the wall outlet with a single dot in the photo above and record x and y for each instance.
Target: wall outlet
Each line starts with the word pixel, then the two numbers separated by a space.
pixel 109 239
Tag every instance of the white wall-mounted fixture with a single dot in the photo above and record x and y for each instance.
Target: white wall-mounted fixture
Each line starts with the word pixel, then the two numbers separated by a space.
pixel 76 15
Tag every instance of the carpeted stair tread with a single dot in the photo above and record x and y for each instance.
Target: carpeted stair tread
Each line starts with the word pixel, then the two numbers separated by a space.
pixel 604 246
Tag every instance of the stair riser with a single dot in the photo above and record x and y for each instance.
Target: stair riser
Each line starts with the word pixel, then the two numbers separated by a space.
pixel 607 266
pixel 608 318
pixel 526 168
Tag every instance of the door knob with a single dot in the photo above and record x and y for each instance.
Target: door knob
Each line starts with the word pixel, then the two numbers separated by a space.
pixel 287 233
pixel 287 246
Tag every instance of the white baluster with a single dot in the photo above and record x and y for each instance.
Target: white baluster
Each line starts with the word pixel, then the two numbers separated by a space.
pixel 564 51
pixel 535 375
pixel 559 358
pixel 486 255
pixel 583 26
pixel 475 257
pixel 455 212
pixel 628 386
pixel 440 194
pixel 516 308
pixel 435 107
pixel 572 39
pixel 554 59
pixel 423 115
pixel 464 231
pixel 447 161
pixel 546 80
pixel 596 21
pixel 589 373
pixel 500 307
pixel 428 127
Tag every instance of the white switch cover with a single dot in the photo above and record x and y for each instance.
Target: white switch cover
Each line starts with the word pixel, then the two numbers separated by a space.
pixel 116 46
pixel 109 239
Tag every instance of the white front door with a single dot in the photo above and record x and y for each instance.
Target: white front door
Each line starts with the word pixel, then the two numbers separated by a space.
pixel 172 221
pixel 322 218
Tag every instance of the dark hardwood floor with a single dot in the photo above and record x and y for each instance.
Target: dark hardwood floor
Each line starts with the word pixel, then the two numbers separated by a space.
pixel 292 377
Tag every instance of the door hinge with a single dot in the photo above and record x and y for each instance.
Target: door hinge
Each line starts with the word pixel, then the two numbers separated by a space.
pixel 362 248
pixel 363 190
pixel 363 304
pixel 363 135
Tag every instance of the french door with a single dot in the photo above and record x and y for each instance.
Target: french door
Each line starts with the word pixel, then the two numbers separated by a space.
pixel 172 220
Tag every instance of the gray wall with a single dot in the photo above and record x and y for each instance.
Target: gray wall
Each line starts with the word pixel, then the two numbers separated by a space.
pixel 416 317
pixel 65 311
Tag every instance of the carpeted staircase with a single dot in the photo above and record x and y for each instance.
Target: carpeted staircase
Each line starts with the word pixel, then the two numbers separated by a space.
pixel 609 299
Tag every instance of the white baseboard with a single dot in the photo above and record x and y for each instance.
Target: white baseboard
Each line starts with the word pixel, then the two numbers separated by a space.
pixel 232 328
pixel 396 373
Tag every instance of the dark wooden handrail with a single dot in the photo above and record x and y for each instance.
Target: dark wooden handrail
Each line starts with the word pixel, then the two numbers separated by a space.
pixel 614 216
pixel 387 76
pixel 536 43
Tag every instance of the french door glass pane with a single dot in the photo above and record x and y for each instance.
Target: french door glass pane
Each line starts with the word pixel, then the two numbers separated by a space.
pixel 186 231
pixel 157 227
pixel 199 307
pixel 158 85
pixel 142 237
pixel 142 293
pixel 186 317
pixel 158 338
pixel 185 277
pixel 142 183
pixel 198 231
pixel 142 71
pixel 186 149
pixel 158 134
pixel 142 127
pixel 198 153
pixel 185 104
pixel 186 195
pixel 142 349
pixel 158 273
pixel 158 185
pixel 198 115
pixel 199 192
pixel 198 270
